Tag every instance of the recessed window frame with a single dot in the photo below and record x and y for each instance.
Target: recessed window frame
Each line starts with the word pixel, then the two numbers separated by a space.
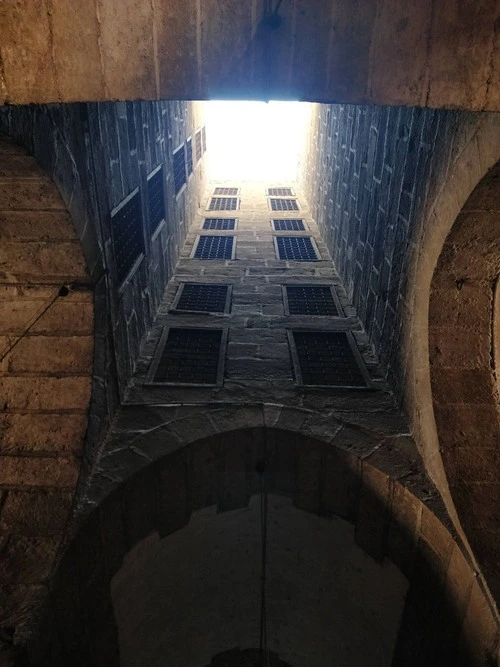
pixel 224 187
pixel 224 259
pixel 295 236
pixel 224 210
pixel 198 143
pixel 154 232
pixel 287 210
pixel 227 306
pixel 292 194
pixel 189 157
pixel 161 346
pixel 222 231
pixel 289 231
pixel 341 313
pixel 180 149
pixel 354 348
pixel 134 266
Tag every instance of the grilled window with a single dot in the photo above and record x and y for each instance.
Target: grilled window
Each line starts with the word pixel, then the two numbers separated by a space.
pixel 311 300
pixel 223 204
pixel 214 247
pixel 297 248
pixel 199 149
pixel 289 225
pixel 189 356
pixel 189 156
pixel 179 169
pixel 280 192
pixel 203 298
pixel 128 236
pixel 223 224
pixel 226 192
pixel 283 204
pixel 156 199
pixel 204 138
pixel 327 358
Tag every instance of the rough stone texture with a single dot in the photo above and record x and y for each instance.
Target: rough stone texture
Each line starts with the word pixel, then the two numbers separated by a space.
pixel 464 373
pixel 386 186
pixel 46 348
pixel 96 154
pixel 383 52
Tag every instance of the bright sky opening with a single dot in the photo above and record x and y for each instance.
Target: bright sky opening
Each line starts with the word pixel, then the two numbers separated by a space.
pixel 255 141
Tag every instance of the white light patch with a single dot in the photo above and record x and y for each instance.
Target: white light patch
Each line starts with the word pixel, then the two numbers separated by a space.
pixel 256 141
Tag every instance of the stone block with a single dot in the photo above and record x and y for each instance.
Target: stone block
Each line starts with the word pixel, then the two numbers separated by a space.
pixel 374 511
pixel 35 512
pixel 45 393
pixel 30 471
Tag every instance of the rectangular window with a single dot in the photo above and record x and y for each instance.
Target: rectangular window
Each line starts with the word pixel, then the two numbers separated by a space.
pixel 189 357
pixel 227 192
pixel 214 247
pixel 311 300
pixel 204 138
pixel 179 169
pixel 283 204
pixel 297 248
pixel 203 298
pixel 327 359
pixel 222 224
pixel 189 156
pixel 280 192
pixel 289 225
pixel 128 234
pixel 223 204
pixel 156 199
pixel 199 149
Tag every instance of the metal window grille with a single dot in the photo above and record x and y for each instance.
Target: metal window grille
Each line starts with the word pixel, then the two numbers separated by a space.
pixel 203 298
pixel 280 192
pixel 199 149
pixel 156 199
pixel 204 138
pixel 214 247
pixel 189 357
pixel 327 358
pixel 223 224
pixel 289 225
pixel 189 156
pixel 128 236
pixel 283 204
pixel 179 169
pixel 311 300
pixel 297 248
pixel 223 204
pixel 226 192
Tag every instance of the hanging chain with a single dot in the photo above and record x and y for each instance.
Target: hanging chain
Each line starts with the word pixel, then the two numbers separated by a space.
pixel 264 652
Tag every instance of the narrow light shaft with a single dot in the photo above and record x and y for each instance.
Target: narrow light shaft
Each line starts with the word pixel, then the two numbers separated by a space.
pixel 255 140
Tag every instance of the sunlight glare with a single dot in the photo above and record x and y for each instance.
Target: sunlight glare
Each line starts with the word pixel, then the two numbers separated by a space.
pixel 258 141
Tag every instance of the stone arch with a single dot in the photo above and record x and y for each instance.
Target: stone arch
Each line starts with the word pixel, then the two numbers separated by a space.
pixel 446 617
pixel 465 369
pixel 480 153
pixel 46 348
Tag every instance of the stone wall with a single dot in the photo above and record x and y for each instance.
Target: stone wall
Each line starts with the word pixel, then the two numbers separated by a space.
pixel 383 52
pixel 97 154
pixel 370 176
pixel 46 349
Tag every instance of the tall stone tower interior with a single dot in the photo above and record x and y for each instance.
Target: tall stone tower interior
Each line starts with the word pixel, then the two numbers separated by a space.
pixel 250 349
